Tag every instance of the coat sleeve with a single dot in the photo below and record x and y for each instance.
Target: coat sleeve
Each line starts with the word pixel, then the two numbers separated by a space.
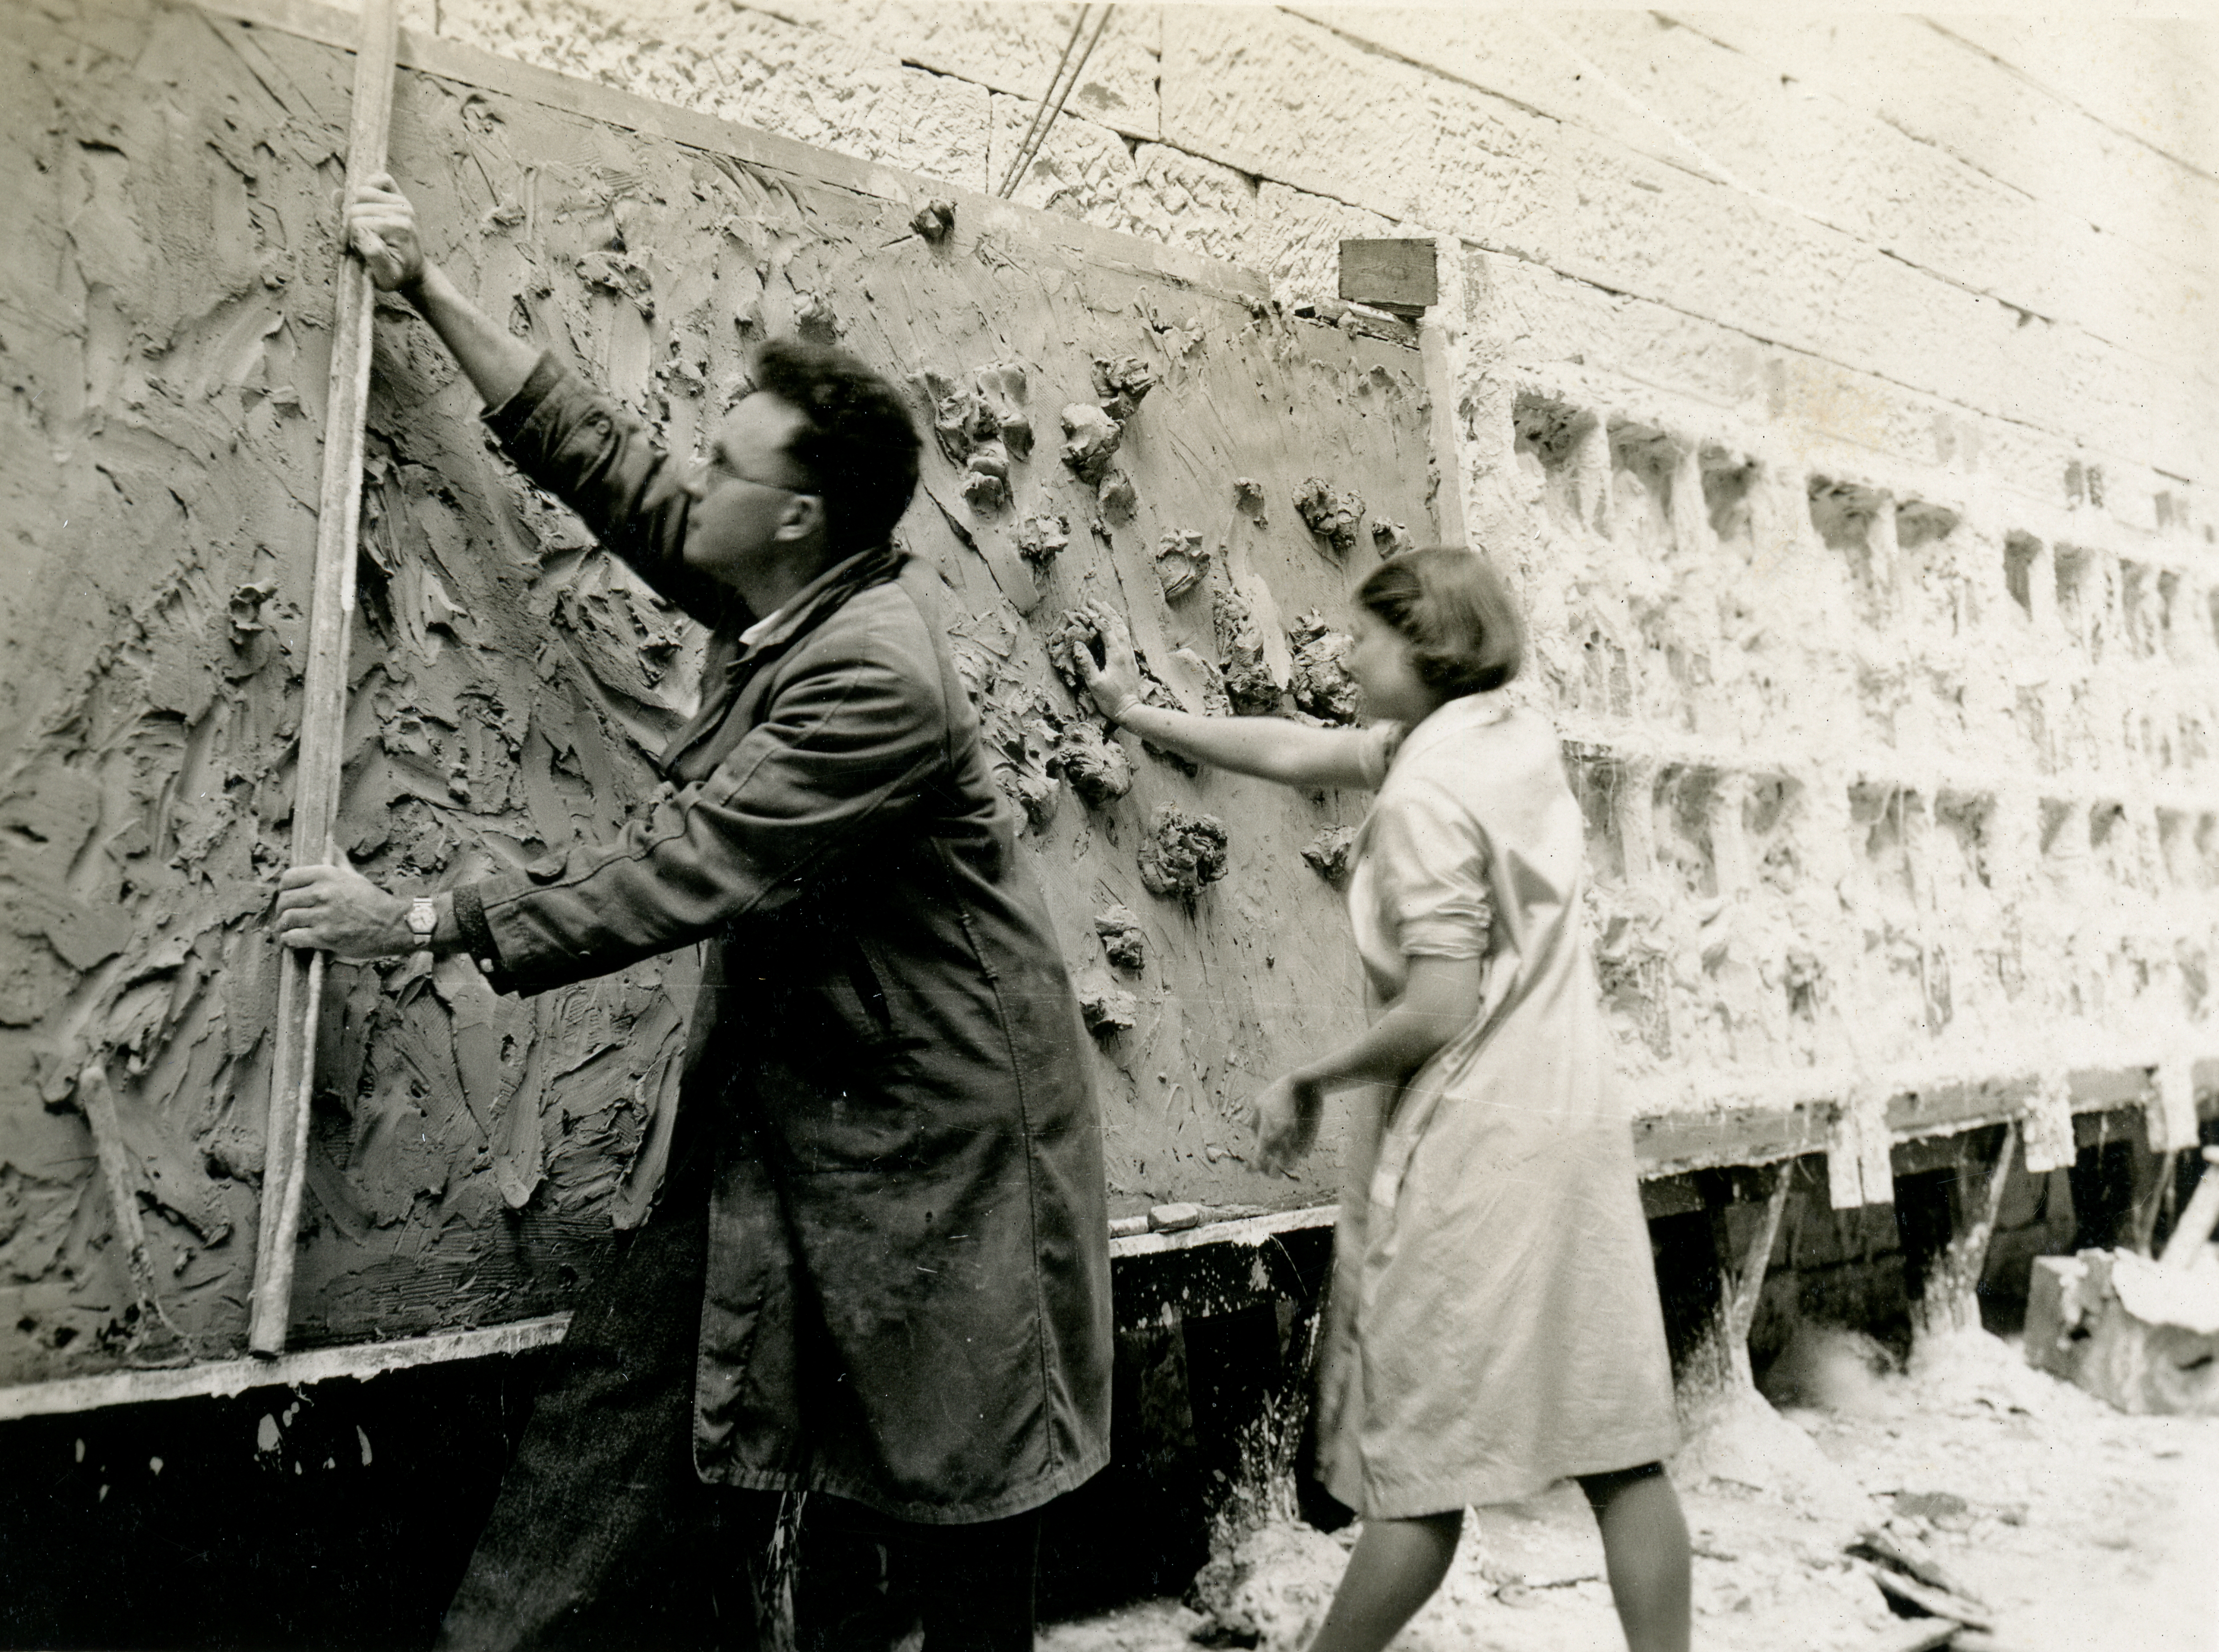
pixel 849 748
pixel 600 462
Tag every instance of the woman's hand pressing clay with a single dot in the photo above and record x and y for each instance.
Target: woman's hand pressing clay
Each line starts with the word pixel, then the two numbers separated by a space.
pixel 382 227
pixel 335 908
pixel 1116 683
pixel 1286 1118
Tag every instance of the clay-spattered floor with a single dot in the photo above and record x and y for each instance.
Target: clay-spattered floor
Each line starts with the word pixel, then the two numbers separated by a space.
pixel 2085 1530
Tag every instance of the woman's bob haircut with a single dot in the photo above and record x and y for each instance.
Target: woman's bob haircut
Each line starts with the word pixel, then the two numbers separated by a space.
pixel 1451 606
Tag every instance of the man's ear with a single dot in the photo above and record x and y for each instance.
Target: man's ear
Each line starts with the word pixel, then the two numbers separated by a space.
pixel 804 517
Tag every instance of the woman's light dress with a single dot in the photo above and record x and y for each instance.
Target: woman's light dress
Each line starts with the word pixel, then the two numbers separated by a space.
pixel 1494 1323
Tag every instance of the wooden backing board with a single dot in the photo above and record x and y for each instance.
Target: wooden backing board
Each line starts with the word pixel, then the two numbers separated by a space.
pixel 506 678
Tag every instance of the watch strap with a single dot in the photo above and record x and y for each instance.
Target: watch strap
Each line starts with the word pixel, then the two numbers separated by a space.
pixel 471 926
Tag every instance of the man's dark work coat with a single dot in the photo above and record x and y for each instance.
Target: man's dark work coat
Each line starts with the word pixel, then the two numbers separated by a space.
pixel 908 1291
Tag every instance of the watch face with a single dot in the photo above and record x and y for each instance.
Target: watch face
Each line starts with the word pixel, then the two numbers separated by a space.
pixel 423 919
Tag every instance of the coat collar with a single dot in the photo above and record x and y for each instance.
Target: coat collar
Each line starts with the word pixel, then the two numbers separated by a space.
pixel 811 606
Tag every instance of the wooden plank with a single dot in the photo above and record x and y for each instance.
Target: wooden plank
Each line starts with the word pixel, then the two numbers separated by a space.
pixel 224 1378
pixel 218 1379
pixel 976 212
pixel 2095 1088
pixel 2107 1103
pixel 323 711
pixel 1667 1143
pixel 1954 1108
pixel 1250 1231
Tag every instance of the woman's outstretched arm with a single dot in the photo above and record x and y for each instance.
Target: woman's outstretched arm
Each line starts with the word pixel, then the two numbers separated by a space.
pixel 1438 1001
pixel 1270 748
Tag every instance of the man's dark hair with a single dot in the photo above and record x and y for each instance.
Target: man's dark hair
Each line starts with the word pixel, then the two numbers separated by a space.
pixel 859 447
pixel 1459 619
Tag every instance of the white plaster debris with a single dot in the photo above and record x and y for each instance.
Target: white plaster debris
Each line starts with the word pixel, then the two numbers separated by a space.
pixel 2069 1519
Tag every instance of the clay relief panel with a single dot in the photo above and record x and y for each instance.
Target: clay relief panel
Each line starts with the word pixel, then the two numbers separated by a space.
pixel 1096 431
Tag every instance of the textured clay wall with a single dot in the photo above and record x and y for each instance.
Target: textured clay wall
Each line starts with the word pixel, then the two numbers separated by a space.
pixel 1840 399
pixel 1109 421
pixel 1842 395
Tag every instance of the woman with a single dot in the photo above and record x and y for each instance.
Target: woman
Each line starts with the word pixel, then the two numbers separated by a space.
pixel 1494 1323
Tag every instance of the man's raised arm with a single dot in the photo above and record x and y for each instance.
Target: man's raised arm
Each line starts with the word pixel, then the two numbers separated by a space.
pixel 567 438
pixel 382 224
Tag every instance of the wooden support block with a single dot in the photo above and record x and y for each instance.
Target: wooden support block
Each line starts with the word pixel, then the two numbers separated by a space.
pixel 1400 277
pixel 2198 1218
pixel 1859 1171
pixel 2173 1105
pixel 2048 1128
pixel 2130 1331
pixel 2053 1313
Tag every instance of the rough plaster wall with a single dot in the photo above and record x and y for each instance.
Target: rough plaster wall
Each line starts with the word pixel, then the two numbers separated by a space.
pixel 2144 77
pixel 1263 94
pixel 910 85
pixel 1855 804
pixel 1842 395
pixel 1874 212
pixel 508 679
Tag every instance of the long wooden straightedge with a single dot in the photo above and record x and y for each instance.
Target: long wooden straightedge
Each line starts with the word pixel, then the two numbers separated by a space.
pixel 323 712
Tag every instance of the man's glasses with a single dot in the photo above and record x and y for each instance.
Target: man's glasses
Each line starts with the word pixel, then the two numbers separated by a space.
pixel 717 464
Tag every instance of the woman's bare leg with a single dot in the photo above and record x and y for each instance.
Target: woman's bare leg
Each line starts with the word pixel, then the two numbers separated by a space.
pixel 1644 1546
pixel 1396 1567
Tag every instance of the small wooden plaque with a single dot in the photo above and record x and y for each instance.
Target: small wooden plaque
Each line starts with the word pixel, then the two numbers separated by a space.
pixel 1398 277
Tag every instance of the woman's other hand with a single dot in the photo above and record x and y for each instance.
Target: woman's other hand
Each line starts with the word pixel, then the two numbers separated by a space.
pixel 1286 1116
pixel 1116 683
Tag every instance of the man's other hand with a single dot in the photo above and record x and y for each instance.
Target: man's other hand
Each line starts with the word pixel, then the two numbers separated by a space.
pixel 336 909
pixel 382 227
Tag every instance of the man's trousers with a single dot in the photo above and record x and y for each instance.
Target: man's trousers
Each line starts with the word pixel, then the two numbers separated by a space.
pixel 603 1536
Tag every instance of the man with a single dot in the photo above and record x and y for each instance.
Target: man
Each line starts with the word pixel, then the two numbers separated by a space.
pixel 878 1271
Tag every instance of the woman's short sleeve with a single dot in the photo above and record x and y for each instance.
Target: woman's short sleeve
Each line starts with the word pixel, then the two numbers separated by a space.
pixel 1381 742
pixel 1430 862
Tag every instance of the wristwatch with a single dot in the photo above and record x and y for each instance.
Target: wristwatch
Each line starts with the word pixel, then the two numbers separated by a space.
pixel 423 919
